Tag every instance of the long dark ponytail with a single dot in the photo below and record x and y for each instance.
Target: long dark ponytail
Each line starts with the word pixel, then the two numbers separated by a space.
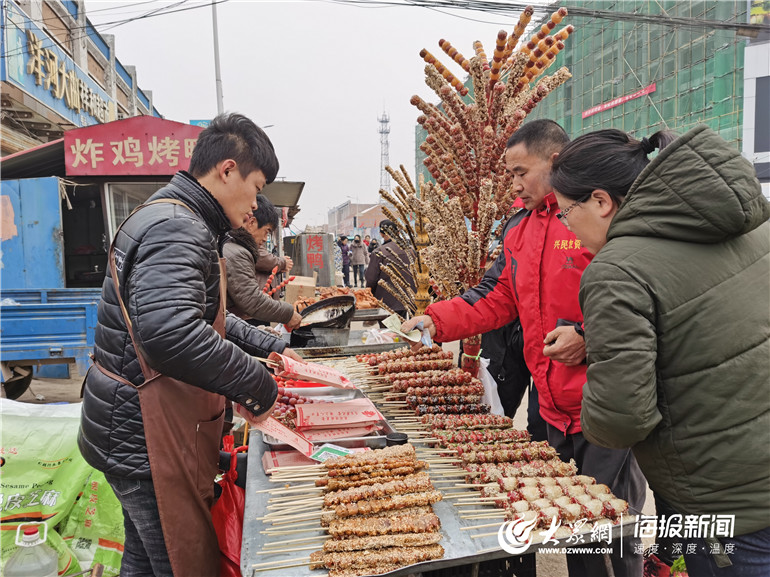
pixel 606 159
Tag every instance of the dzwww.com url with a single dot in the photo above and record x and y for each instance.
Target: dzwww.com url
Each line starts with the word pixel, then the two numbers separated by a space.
pixel 575 550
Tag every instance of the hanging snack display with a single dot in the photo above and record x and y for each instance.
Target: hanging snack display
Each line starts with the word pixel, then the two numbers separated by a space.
pixel 447 228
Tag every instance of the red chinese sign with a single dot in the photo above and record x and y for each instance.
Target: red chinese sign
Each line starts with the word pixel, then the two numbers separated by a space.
pixel 141 145
pixel 315 248
pixel 618 101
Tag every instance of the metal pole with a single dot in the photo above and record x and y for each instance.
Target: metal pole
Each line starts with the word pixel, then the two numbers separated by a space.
pixel 217 71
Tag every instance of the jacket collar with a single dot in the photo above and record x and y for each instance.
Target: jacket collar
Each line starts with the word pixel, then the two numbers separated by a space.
pixel 185 188
pixel 243 238
pixel 549 204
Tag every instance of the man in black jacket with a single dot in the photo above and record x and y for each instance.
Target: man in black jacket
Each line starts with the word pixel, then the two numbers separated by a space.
pixel 168 276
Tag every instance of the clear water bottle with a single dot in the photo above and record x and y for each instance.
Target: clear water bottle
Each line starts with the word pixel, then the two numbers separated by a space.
pixel 33 558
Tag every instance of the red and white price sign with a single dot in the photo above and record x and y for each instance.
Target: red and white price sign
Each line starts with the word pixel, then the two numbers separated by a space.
pixel 341 432
pixel 291 369
pixel 272 427
pixel 357 412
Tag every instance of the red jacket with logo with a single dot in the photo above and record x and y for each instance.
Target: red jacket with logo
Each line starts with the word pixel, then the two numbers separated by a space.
pixel 537 277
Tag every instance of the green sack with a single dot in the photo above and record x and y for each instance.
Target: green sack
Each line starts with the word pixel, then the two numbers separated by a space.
pixel 94 527
pixel 42 478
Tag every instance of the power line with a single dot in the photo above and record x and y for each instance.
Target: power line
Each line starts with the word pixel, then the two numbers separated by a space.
pixel 659 19
pixel 114 24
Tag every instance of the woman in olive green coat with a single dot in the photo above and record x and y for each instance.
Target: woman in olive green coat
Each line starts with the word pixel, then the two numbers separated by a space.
pixel 677 325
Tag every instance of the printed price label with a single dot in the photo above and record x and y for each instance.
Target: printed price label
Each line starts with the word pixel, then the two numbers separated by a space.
pixel 316 434
pixel 291 369
pixel 272 427
pixel 348 413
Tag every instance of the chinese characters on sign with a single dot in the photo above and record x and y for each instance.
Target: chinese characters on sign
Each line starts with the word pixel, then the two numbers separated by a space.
pixel 618 101
pixel 164 151
pixel 135 146
pixel 63 81
pixel 315 248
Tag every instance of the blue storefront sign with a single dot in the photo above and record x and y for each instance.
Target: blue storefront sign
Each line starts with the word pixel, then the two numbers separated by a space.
pixel 34 63
pixel 203 123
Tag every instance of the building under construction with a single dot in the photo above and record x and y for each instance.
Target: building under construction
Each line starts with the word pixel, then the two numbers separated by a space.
pixel 645 65
pixel 640 76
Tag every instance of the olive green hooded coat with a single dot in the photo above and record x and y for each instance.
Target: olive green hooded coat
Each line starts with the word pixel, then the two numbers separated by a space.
pixel 677 324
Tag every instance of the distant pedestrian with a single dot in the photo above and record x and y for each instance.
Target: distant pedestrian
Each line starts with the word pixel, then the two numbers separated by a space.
pixel 373 244
pixel 345 250
pixel 359 258
pixel 367 240
pixel 388 254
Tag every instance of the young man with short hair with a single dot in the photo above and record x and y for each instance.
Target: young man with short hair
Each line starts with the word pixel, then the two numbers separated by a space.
pixel 167 356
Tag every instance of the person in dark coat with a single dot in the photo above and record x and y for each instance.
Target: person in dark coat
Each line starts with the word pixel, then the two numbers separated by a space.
pixel 166 260
pixel 388 253
pixel 345 252
pixel 359 258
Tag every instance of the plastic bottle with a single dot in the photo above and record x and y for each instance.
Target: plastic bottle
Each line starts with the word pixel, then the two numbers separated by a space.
pixel 33 558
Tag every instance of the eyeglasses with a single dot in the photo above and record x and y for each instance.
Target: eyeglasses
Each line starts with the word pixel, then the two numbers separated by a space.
pixel 562 216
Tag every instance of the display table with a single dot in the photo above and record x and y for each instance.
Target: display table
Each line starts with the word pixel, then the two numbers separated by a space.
pixel 461 549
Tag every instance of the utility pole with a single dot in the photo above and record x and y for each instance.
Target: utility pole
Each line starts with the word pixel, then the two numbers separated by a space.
pixel 217 71
pixel 384 148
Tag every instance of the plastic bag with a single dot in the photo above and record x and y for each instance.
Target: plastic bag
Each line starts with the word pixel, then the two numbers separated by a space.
pixel 227 515
pixel 490 397
pixel 375 336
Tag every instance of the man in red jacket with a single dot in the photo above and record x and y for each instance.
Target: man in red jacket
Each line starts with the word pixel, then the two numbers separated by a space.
pixel 537 277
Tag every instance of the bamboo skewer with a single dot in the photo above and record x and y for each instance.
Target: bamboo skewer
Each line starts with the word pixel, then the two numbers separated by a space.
pixel 289 550
pixel 284 542
pixel 482 535
pixel 279 531
pixel 297 488
pixel 482 526
pixel 273 565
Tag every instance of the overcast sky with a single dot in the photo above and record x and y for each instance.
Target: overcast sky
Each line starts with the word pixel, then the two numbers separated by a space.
pixel 320 72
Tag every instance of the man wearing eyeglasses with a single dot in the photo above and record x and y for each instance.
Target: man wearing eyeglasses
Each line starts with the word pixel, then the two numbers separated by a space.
pixel 537 277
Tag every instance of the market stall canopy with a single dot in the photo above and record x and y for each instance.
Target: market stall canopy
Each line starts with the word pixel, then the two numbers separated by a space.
pixel 40 161
pixel 283 192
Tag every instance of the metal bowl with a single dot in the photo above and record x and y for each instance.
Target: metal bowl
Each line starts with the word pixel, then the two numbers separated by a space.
pixel 334 312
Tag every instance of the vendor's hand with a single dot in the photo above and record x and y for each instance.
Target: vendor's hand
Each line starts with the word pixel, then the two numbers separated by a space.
pixel 250 417
pixel 289 264
pixel 565 345
pixel 296 320
pixel 427 323
pixel 287 352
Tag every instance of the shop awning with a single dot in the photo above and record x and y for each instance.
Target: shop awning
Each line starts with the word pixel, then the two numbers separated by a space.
pixel 40 161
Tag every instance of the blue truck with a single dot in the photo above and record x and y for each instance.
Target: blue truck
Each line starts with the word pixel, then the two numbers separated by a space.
pixel 43 330
pixel 41 327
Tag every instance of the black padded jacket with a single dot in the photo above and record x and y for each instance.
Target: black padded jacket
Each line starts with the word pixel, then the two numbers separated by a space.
pixel 167 262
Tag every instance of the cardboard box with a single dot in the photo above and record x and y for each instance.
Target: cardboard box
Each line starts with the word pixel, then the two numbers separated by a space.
pixel 301 286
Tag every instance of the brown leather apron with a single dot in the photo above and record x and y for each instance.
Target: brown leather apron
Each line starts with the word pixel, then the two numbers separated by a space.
pixel 183 429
